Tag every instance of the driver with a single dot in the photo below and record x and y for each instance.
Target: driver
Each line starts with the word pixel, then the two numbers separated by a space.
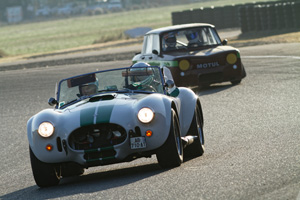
pixel 142 82
pixel 88 89
pixel 170 40
pixel 193 37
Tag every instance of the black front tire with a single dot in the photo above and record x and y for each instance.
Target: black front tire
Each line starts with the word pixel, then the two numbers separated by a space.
pixel 170 155
pixel 196 129
pixel 45 174
pixel 71 169
pixel 236 82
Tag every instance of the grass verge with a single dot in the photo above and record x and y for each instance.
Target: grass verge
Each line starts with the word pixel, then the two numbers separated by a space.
pixel 50 36
pixel 266 37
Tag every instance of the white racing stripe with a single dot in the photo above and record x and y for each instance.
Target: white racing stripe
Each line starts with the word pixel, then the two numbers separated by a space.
pixel 95 114
pixel 293 57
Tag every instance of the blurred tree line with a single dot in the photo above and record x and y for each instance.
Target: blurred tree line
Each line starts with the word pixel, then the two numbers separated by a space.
pixel 36 4
pixel 52 3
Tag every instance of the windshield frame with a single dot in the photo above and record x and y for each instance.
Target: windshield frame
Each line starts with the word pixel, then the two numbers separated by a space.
pixel 211 36
pixel 61 104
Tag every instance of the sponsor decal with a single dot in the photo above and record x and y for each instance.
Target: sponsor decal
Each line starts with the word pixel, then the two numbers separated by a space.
pixel 208 65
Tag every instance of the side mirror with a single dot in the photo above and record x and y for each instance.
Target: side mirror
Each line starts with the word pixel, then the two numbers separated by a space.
pixel 225 42
pixel 52 102
pixel 172 90
pixel 169 84
pixel 154 51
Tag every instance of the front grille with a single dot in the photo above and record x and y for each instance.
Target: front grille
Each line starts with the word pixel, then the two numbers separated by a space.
pixel 97 136
pixel 100 155
pixel 211 77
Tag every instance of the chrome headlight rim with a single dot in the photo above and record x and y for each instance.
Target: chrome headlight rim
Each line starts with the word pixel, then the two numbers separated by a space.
pixel 145 115
pixel 46 129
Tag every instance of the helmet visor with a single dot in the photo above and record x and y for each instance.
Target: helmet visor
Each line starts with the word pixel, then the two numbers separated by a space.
pixel 191 36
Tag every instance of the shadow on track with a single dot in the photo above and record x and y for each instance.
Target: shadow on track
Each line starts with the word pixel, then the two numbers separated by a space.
pixel 215 88
pixel 90 183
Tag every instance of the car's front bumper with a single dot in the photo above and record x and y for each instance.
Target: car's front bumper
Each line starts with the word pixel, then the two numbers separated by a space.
pixel 208 75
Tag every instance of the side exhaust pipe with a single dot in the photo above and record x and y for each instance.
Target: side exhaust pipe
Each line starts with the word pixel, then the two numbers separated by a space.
pixel 187 140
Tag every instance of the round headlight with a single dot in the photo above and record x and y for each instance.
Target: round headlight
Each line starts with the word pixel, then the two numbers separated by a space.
pixel 145 115
pixel 184 65
pixel 46 129
pixel 231 58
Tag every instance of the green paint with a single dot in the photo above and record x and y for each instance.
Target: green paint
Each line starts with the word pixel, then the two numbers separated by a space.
pixel 170 63
pixel 87 116
pixel 175 93
pixel 104 113
pixel 99 159
pixel 160 63
pixel 99 149
pixel 109 158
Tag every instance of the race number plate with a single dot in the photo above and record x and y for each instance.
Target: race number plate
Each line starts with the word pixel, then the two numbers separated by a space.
pixel 138 142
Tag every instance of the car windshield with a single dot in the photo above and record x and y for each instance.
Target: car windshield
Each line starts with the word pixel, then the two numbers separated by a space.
pixel 189 39
pixel 124 80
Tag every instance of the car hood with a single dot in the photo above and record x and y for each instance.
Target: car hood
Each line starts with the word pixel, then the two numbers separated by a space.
pixel 101 109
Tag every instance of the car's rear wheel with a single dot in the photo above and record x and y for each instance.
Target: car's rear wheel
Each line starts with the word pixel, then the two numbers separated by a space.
pixel 45 174
pixel 196 129
pixel 171 153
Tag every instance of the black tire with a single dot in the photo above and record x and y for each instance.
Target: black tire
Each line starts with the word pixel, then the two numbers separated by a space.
pixel 196 129
pixel 170 155
pixel 236 82
pixel 45 175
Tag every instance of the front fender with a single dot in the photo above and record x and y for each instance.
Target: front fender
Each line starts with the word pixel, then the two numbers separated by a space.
pixel 188 100
pixel 37 143
pixel 125 114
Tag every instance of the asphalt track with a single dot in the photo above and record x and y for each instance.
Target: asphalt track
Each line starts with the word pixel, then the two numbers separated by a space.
pixel 252 137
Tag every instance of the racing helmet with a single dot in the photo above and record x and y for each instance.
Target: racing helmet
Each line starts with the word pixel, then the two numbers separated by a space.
pixel 170 40
pixel 138 79
pixel 192 36
pixel 89 88
pixel 141 64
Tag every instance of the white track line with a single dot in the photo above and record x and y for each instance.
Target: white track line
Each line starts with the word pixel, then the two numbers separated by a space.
pixel 293 57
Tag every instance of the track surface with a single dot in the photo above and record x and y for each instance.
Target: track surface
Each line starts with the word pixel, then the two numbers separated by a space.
pixel 252 138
